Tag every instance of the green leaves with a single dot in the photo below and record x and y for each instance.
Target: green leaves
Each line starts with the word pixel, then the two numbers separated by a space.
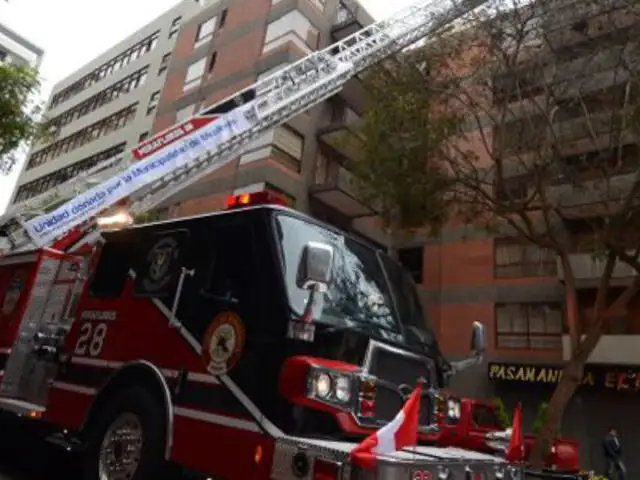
pixel 18 111
pixel 405 128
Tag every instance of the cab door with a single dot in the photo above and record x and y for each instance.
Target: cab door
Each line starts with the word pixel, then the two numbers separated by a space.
pixel 45 323
pixel 224 305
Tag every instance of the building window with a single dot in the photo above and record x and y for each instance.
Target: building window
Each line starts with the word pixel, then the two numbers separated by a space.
pixel 153 102
pixel 184 113
pixel 43 184
pixel 143 136
pixel 122 60
pixel 106 96
pixel 82 137
pixel 411 259
pixel 164 64
pixel 529 325
pixel 175 27
pixel 205 31
pixel 513 189
pixel 212 62
pixel 516 258
pixel 293 27
pixel 194 74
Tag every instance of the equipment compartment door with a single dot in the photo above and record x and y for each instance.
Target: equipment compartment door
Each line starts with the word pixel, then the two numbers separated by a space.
pixel 47 320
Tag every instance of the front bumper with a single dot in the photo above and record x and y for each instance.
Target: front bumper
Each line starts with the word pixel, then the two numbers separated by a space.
pixel 408 464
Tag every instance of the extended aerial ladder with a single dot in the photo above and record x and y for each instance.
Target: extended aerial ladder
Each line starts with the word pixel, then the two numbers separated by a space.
pixel 186 152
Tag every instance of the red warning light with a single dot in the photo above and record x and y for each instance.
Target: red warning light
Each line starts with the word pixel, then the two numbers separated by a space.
pixel 264 197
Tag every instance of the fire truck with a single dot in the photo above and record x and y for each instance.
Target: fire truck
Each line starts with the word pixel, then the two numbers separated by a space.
pixel 474 424
pixel 250 343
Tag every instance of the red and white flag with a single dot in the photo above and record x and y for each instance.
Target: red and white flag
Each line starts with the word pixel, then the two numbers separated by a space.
pixel 515 452
pixel 401 432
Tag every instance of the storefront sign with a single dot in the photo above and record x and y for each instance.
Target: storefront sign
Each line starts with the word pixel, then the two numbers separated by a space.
pixel 607 377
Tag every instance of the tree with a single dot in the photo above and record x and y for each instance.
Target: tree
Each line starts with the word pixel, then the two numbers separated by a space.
pixel 397 166
pixel 550 155
pixel 501 413
pixel 19 112
pixel 541 417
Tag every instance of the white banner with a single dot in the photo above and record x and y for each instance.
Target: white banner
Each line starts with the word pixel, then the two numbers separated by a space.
pixel 158 156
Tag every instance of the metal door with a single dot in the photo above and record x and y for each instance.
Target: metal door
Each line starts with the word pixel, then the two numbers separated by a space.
pixel 47 319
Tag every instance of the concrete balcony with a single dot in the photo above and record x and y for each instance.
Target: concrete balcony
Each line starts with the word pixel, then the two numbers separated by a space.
pixel 611 350
pixel 353 95
pixel 585 199
pixel 350 17
pixel 588 269
pixel 341 134
pixel 336 190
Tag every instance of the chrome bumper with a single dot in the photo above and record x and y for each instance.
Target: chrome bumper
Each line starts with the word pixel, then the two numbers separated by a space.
pixel 416 462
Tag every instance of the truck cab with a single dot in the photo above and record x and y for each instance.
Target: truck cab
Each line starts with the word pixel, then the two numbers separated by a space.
pixel 342 372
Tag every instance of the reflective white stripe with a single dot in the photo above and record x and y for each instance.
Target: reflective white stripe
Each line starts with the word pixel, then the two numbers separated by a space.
pixel 96 362
pixel 70 387
pixel 203 378
pixel 193 376
pixel 269 427
pixel 177 325
pixel 1 373
pixel 217 419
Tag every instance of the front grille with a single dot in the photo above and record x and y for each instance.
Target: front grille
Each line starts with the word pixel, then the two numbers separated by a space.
pixel 396 368
pixel 389 402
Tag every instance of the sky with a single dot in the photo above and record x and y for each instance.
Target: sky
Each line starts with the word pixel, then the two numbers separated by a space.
pixel 73 32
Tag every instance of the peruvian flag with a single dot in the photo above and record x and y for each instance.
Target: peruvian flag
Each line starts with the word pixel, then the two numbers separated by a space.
pixel 515 453
pixel 401 432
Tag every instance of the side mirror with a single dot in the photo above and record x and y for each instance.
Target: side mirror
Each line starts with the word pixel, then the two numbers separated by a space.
pixel 315 266
pixel 477 338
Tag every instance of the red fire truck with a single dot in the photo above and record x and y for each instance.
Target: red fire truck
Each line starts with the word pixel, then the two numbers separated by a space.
pixel 474 424
pixel 251 343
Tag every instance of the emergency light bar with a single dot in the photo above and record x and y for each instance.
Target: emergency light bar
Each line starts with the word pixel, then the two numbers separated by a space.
pixel 264 197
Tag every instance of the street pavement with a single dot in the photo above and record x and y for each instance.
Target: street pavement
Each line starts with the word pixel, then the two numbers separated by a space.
pixel 25 456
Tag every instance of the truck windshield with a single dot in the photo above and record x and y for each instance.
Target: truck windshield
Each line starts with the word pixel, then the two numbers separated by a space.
pixel 364 285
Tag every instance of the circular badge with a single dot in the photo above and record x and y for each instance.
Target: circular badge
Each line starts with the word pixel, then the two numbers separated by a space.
pixel 223 343
pixel 12 295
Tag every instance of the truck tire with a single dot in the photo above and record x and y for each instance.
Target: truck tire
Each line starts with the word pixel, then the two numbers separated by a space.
pixel 127 438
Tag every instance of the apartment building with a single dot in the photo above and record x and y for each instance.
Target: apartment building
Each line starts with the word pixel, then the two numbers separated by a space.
pixel 517 289
pixel 16 49
pixel 106 107
pixel 229 45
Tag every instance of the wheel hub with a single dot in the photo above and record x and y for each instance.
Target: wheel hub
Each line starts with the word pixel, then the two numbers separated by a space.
pixel 121 449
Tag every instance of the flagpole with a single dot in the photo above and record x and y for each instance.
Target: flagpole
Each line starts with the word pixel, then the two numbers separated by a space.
pixel 420 384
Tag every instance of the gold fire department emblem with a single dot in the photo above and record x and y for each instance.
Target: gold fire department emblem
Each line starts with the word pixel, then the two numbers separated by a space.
pixel 223 343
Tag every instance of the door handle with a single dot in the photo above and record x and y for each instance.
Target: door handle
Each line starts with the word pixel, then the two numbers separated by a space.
pixel 228 298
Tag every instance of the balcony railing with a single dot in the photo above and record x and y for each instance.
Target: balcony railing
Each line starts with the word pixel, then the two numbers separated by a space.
pixel 335 188
pixel 588 270
pixel 611 349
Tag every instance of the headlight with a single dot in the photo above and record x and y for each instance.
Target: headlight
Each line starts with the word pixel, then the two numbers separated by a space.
pixel 453 409
pixel 343 389
pixel 331 386
pixel 322 385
